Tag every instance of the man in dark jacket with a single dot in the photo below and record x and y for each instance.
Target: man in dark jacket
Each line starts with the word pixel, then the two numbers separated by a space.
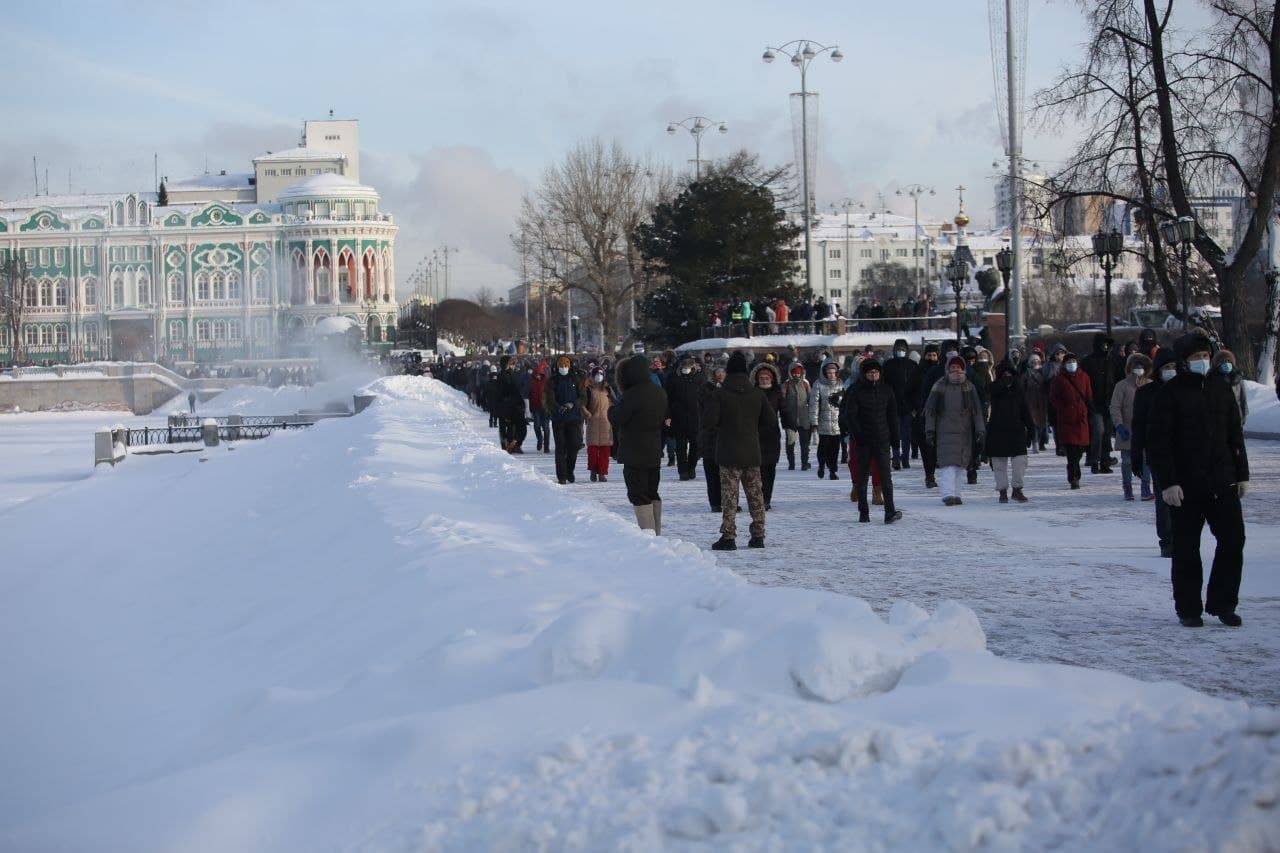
pixel 637 423
pixel 510 406
pixel 683 389
pixel 869 414
pixel 737 413
pixel 562 399
pixel 707 435
pixel 903 376
pixel 1164 368
pixel 1100 367
pixel 1196 446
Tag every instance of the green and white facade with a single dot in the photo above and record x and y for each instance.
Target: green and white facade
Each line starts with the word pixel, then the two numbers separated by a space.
pixel 215 274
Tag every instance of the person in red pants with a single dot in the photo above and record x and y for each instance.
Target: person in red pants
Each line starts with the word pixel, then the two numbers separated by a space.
pixel 595 412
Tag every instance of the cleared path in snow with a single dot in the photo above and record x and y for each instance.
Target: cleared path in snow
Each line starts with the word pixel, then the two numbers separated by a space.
pixel 1071 577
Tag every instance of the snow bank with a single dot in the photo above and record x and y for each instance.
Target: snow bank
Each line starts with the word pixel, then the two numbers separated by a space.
pixel 289 399
pixel 382 633
pixel 1264 408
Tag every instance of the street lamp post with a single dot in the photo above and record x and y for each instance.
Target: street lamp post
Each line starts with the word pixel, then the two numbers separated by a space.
pixel 697 125
pixel 958 274
pixel 801 52
pixel 915 191
pixel 1178 233
pixel 846 204
pixel 1108 246
pixel 1004 263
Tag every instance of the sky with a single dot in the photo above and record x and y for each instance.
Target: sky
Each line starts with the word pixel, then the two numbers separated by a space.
pixel 463 106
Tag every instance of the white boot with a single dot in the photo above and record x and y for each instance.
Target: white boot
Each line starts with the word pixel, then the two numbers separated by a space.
pixel 657 517
pixel 644 517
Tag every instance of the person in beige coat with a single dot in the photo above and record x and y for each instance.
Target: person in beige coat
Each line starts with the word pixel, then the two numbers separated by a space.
pixel 595 413
pixel 1137 372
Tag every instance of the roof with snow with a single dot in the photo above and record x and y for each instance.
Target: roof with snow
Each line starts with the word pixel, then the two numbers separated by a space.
pixel 237 180
pixel 299 153
pixel 327 185
pixel 94 201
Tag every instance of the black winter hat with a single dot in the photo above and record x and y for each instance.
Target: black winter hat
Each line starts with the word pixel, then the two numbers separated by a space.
pixel 868 365
pixel 928 348
pixel 504 362
pixel 1190 343
pixel 1163 356
pixel 737 363
pixel 900 343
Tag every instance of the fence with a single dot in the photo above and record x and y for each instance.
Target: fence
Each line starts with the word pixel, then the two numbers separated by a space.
pixel 228 430
pixel 834 326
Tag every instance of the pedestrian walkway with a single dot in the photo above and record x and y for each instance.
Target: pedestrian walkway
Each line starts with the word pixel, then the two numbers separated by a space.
pixel 1071 577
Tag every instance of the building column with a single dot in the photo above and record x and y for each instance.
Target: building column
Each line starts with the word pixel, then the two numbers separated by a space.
pixel 189 294
pixel 334 298
pixel 246 298
pixel 311 274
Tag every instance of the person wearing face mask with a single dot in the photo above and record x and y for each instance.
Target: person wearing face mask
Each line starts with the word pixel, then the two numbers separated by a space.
pixel 1137 370
pixel 1103 370
pixel 739 412
pixel 954 427
pixel 637 425
pixel 707 435
pixel 683 390
pixel 795 416
pixel 1036 390
pixel 1051 370
pixel 903 376
pixel 1196 445
pixel 765 377
pixel 563 398
pixel 1008 424
pixel 1071 396
pixel 930 373
pixel 824 414
pixel 1164 367
pixel 869 416
pixel 595 409
pixel 1223 369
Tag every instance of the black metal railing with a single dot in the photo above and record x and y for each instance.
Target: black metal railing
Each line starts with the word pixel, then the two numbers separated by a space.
pixel 151 436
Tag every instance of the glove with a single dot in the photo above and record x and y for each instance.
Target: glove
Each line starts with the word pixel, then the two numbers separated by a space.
pixel 834 399
pixel 1122 432
pixel 1242 488
pixel 1172 495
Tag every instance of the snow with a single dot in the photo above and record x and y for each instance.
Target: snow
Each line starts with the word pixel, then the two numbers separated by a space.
pixel 852 340
pixel 326 184
pixel 382 633
pixel 207 181
pixel 1264 409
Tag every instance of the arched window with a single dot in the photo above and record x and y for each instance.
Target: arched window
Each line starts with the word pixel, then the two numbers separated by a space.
pixel 131 211
pixel 219 286
pixel 346 276
pixel 176 287
pixel 261 286
pixel 202 330
pixel 30 336
pixel 144 213
pixel 4 337
pixel 33 294
pixel 91 335
pixel 234 330
pixel 60 295
pixel 202 286
pixel 370 273
pixel 219 330
pixel 144 288
pixel 117 213
pixel 387 284
pixel 374 330
pixel 117 289
pixel 90 290
pixel 46 292
pixel 46 336
pixel 299 278
pixel 60 335
pixel 175 332
pixel 324 276
pixel 233 286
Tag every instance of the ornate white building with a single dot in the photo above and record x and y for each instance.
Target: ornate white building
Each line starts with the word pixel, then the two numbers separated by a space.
pixel 232 266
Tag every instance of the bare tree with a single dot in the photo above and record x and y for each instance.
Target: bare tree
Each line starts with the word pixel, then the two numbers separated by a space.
pixel 582 220
pixel 1166 119
pixel 15 296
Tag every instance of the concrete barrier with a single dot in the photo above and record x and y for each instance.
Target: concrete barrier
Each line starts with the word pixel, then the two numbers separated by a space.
pixel 141 393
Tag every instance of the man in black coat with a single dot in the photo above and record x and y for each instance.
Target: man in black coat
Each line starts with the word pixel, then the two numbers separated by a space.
pixel 869 413
pixel 1100 367
pixel 637 429
pixel 707 435
pixel 738 411
pixel 510 407
pixel 903 376
pixel 683 389
pixel 1164 368
pixel 1196 446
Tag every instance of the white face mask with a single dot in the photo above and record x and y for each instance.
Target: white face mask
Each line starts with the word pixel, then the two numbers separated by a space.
pixel 900 353
pixel 563 371
pixel 1199 366
pixel 597 378
pixel 1070 366
pixel 1035 362
pixel 686 371
pixel 1139 371
pixel 1168 373
pixel 766 384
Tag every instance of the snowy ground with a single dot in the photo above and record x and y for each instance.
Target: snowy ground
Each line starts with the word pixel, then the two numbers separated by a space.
pixel 382 633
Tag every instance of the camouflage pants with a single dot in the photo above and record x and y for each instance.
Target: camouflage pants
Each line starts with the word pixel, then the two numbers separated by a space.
pixel 751 484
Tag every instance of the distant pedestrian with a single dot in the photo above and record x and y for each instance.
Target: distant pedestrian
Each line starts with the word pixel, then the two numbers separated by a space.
pixel 637 421
pixel 738 412
pixel 795 416
pixel 869 416
pixel 1224 370
pixel 954 426
pixel 765 377
pixel 1071 396
pixel 824 414
pixel 1138 374
pixel 707 436
pixel 191 402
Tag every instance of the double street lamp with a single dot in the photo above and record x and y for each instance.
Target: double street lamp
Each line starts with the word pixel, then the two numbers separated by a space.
pixel 1004 263
pixel 1179 233
pixel 915 191
pixel 1108 246
pixel 697 125
pixel 801 52
pixel 958 275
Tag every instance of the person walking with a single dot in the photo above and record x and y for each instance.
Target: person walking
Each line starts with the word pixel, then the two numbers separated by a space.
pixel 869 415
pixel 1137 374
pixel 563 398
pixel 903 376
pixel 541 421
pixel 738 412
pixel 1100 367
pixel 595 409
pixel 765 377
pixel 509 406
pixel 795 416
pixel 1071 396
pixel 1036 388
pixel 1224 370
pixel 637 422
pixel 930 372
pixel 824 414
pixel 954 426
pixel 707 436
pixel 1164 368
pixel 1196 444
pixel 1008 425
pixel 191 401
pixel 683 391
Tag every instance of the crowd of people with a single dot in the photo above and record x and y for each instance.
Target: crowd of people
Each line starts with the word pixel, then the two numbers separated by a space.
pixel 770 316
pixel 1171 419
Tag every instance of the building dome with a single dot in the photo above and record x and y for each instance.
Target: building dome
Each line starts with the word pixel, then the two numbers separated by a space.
pixel 326 186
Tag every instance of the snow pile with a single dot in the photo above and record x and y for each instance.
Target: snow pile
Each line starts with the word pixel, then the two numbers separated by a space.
pixel 290 399
pixel 1264 408
pixel 382 633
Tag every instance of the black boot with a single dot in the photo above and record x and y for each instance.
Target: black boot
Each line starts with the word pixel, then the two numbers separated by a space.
pixel 791 457
pixel 891 515
pixel 724 544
